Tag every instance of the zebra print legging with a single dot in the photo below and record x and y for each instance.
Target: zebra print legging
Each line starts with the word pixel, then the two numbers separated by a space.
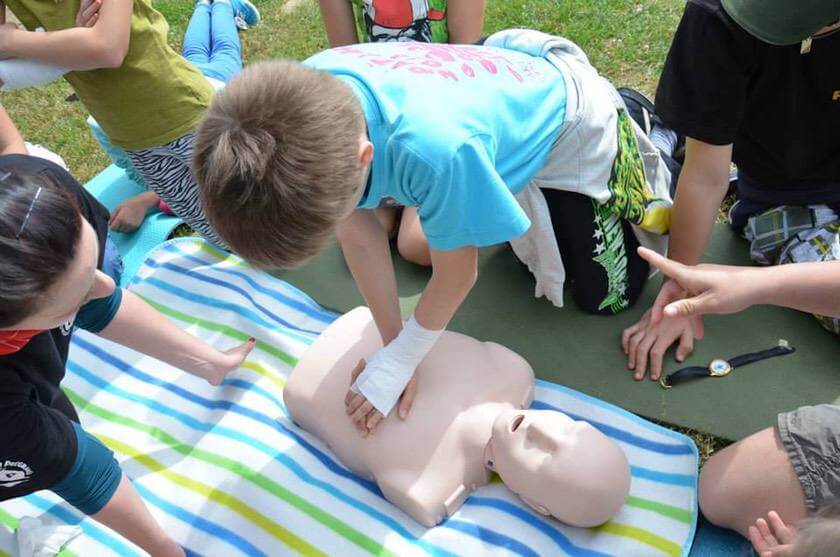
pixel 166 169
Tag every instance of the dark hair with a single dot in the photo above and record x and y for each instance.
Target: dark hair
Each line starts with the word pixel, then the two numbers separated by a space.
pixel 38 238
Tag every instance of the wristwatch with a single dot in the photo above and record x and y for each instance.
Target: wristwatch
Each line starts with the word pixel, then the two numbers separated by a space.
pixel 721 368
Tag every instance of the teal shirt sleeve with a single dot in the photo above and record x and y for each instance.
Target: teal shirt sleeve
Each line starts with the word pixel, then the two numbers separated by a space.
pixel 97 314
pixel 467 203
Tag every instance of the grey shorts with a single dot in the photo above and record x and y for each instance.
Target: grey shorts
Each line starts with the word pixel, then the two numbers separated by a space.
pixel 811 437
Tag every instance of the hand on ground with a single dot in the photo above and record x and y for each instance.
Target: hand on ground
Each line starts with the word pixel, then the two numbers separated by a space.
pixel 128 216
pixel 646 343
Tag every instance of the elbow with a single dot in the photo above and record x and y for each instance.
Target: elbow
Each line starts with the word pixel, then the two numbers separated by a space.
pixel 114 58
pixel 111 54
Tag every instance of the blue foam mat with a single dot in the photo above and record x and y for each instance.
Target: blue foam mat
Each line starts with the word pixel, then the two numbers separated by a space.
pixel 111 187
pixel 711 541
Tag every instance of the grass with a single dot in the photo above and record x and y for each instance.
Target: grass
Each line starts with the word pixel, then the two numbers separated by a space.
pixel 626 40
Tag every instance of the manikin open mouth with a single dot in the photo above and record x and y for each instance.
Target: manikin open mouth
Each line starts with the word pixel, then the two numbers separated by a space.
pixel 516 422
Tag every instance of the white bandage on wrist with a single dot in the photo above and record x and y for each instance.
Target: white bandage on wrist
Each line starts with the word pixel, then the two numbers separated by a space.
pixel 388 372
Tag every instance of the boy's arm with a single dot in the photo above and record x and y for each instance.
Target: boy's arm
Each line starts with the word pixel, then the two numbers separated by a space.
pixel 11 141
pixel 339 22
pixel 392 368
pixel 811 287
pixel 454 273
pixel 368 254
pixel 702 186
pixel 104 45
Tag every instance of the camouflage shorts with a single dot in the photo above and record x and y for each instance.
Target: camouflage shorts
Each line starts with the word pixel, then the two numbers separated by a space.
pixel 790 234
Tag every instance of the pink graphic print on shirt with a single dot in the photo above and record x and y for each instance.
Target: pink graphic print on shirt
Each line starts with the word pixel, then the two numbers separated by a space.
pixel 452 62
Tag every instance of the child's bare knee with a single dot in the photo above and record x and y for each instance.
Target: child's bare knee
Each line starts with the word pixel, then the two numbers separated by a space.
pixel 713 498
pixel 414 250
pixel 723 502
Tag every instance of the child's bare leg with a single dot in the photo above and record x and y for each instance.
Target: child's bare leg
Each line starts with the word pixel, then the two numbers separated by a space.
pixel 745 481
pixel 127 514
pixel 411 241
pixel 464 20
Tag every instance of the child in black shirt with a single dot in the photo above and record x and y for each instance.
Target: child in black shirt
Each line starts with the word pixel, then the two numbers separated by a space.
pixel 756 83
pixel 54 277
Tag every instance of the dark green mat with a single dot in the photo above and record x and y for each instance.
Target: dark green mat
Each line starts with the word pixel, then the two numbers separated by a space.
pixel 582 351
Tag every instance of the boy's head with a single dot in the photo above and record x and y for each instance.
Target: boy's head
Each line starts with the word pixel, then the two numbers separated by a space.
pixel 279 159
pixel 782 22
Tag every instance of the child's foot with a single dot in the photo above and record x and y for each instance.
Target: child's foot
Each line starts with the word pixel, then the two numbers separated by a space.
pixel 245 14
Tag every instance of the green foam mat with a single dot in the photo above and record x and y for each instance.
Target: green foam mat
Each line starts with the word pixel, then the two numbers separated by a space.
pixel 111 187
pixel 583 351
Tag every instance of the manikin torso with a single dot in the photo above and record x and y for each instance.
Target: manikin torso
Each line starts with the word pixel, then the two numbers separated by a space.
pixel 429 463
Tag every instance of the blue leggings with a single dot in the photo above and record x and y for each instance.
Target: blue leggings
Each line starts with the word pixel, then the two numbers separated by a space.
pixel 211 41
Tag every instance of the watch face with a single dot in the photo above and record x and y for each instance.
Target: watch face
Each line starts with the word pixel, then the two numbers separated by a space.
pixel 719 368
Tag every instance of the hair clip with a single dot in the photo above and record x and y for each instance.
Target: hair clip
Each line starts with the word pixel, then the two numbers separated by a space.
pixel 28 212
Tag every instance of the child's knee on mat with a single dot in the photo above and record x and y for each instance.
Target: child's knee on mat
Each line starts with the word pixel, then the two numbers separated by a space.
pixel 414 249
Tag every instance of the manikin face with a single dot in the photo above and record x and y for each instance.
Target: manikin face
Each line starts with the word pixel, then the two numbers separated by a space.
pixel 559 466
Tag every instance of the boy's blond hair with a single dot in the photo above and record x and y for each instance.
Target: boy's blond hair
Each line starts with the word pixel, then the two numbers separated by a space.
pixel 276 160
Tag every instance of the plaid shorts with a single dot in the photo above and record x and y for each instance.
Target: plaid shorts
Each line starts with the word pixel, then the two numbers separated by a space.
pixel 793 234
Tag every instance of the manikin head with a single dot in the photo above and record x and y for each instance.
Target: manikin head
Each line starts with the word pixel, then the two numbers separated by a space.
pixel 558 466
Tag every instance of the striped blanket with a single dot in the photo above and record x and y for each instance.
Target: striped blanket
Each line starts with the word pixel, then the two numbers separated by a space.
pixel 227 472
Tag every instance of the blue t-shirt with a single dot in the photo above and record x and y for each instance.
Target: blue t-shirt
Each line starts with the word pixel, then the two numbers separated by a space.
pixel 457 131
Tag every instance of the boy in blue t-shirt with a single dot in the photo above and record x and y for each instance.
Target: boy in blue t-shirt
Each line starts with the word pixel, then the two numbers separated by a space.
pixel 520 142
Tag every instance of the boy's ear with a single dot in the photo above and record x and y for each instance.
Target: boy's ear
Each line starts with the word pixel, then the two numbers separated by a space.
pixel 365 152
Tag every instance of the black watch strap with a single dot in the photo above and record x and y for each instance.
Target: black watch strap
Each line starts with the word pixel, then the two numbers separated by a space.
pixel 720 368
pixel 668 381
pixel 780 350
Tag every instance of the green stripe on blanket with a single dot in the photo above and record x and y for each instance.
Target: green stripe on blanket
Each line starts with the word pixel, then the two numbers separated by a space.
pixel 227 473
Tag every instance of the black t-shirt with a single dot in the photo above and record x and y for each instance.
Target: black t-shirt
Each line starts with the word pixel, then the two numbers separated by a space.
pixel 780 108
pixel 37 441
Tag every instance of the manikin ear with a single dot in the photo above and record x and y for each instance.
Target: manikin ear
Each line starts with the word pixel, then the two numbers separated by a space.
pixel 365 151
pixel 534 505
pixel 488 458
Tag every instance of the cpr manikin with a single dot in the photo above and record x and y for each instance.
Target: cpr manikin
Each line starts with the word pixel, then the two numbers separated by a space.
pixel 466 422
